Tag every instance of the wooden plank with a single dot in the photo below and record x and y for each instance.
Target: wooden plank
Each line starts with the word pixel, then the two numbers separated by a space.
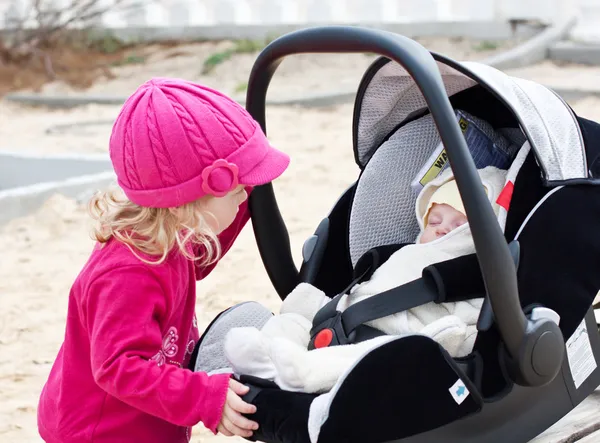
pixel 592 438
pixel 581 423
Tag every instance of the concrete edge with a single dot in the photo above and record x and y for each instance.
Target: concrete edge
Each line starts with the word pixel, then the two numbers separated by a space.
pixel 533 50
pixel 61 102
pixel 23 201
pixel 59 128
pixel 316 101
pixel 95 157
pixel 484 29
pixel 573 94
pixel 67 102
pixel 573 52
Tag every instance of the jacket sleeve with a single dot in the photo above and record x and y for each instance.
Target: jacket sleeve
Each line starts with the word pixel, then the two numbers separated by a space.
pixel 123 312
pixel 227 237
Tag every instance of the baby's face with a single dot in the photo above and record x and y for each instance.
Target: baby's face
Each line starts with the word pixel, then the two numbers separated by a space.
pixel 442 219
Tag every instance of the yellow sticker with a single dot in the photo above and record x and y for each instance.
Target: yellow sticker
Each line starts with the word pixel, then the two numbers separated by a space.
pixel 438 159
pixel 442 159
pixel 435 169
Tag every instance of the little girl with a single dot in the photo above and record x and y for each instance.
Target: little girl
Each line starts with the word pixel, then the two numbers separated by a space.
pixel 185 157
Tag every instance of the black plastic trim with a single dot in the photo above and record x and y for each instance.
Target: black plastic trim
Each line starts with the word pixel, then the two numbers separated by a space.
pixel 360 94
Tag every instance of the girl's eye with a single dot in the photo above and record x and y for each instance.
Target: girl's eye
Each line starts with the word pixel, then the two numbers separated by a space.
pixel 434 221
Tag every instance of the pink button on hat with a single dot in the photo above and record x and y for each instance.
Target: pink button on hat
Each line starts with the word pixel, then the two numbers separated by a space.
pixel 176 141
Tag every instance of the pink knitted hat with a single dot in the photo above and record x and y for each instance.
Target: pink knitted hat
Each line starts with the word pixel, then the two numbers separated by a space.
pixel 175 141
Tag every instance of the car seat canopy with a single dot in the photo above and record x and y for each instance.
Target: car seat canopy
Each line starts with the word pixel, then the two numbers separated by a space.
pixel 390 95
pixel 394 136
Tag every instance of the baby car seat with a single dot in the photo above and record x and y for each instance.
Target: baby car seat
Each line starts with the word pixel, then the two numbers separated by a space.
pixel 536 353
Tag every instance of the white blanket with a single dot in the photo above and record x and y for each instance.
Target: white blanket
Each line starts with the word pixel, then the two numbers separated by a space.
pixel 279 352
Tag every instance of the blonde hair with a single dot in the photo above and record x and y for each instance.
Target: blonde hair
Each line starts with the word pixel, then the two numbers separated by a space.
pixel 154 231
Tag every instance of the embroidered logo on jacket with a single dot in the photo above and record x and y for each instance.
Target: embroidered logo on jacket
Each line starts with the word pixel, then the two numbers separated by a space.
pixel 169 348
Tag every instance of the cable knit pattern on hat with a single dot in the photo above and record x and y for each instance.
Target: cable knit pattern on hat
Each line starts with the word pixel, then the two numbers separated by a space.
pixel 162 158
pixel 173 135
pixel 194 133
pixel 132 177
pixel 234 131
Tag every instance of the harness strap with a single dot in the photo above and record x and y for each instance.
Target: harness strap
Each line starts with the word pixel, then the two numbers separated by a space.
pixel 331 328
pixel 330 309
pixel 364 269
pixel 439 283
pixel 401 298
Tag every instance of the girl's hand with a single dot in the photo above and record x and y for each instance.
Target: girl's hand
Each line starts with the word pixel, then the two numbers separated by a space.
pixel 232 422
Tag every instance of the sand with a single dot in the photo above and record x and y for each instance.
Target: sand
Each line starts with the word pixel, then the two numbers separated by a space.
pixel 42 253
pixel 561 75
pixel 298 74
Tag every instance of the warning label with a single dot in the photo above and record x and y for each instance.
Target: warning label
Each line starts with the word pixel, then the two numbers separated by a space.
pixel 579 353
pixel 481 147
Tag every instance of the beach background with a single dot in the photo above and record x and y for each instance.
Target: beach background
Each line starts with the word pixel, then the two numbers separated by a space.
pixel 41 253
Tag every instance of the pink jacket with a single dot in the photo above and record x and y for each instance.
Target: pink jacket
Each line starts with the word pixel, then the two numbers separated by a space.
pixel 120 375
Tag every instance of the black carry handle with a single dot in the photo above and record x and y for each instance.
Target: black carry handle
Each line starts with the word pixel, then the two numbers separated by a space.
pixel 495 260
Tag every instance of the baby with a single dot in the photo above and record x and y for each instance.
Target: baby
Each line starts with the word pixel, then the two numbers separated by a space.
pixel 279 351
